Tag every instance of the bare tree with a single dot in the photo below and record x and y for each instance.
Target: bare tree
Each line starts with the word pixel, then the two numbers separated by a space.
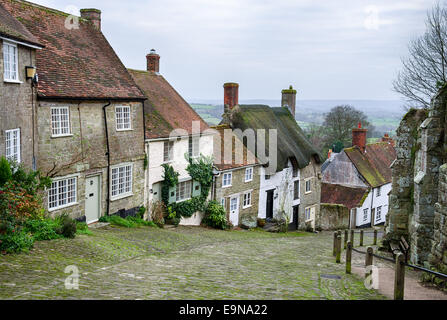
pixel 424 70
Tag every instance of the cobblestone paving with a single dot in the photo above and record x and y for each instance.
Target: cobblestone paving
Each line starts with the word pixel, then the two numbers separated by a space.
pixel 182 263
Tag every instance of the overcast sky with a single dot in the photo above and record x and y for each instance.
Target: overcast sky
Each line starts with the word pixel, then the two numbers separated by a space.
pixel 344 49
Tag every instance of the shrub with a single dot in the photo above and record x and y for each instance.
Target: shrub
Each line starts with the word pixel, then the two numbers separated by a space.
pixel 46 229
pixel 141 212
pixel 129 222
pixel 67 226
pixel 5 171
pixel 82 228
pixel 16 241
pixel 215 216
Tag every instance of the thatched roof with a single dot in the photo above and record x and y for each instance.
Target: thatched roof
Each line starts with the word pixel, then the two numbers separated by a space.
pixel 292 142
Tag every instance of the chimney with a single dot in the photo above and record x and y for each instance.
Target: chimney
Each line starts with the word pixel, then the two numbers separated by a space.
pixel 153 61
pixel 231 96
pixel 388 139
pixel 288 100
pixel 93 15
pixel 359 137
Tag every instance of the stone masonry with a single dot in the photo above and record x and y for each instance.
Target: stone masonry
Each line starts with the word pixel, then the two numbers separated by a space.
pixel 417 200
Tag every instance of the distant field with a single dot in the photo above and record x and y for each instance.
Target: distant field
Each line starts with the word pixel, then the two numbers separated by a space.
pixel 384 122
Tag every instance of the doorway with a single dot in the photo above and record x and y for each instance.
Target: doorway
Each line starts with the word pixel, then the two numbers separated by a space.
pixel 295 222
pixel 234 211
pixel 269 204
pixel 92 199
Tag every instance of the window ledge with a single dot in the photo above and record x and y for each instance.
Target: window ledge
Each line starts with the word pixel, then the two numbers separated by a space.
pixel 247 207
pixel 307 192
pixel 229 186
pixel 13 81
pixel 63 207
pixel 61 136
pixel 124 130
pixel 246 181
pixel 167 162
pixel 183 200
pixel 121 196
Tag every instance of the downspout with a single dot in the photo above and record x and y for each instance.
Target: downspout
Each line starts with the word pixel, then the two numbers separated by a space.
pixel 108 157
pixel 372 203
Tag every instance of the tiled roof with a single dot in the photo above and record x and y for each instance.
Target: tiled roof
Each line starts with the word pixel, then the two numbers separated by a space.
pixel 75 63
pixel 220 139
pixel 165 109
pixel 11 28
pixel 292 142
pixel 347 196
pixel 374 164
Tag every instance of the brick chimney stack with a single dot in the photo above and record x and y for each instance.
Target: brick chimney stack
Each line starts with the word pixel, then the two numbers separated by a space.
pixel 231 96
pixel 93 15
pixel 387 138
pixel 359 137
pixel 288 99
pixel 153 61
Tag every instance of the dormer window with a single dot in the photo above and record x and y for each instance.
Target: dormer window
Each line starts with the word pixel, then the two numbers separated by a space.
pixel 10 62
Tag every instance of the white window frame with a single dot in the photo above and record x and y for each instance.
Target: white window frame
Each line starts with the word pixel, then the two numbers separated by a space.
pixel 186 195
pixel 249 174
pixel 121 124
pixel 194 146
pixel 7 46
pixel 170 149
pixel 379 213
pixel 14 150
pixel 307 214
pixel 74 187
pixel 59 121
pixel 127 189
pixel 306 191
pixel 229 180
pixel 247 199
pixel 365 214
pixel 378 192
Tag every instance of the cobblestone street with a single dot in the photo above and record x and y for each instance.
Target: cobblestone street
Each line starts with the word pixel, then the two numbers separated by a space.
pixel 182 263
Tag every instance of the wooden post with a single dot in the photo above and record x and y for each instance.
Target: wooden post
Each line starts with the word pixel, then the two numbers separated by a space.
pixel 368 260
pixel 334 251
pixel 348 257
pixel 375 237
pixel 352 237
pixel 399 277
pixel 361 238
pixel 346 239
pixel 338 257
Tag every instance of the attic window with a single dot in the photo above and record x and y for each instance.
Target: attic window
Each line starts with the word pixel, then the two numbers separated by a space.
pixel 10 62
pixel 193 147
pixel 168 148
pixel 122 114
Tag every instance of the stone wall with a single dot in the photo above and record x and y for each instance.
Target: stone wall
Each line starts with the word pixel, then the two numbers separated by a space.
pixel 16 105
pixel 438 255
pixel 247 216
pixel 334 217
pixel 401 196
pixel 312 199
pixel 84 152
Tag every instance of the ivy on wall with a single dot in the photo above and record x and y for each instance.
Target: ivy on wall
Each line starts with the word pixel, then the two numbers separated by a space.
pixel 201 170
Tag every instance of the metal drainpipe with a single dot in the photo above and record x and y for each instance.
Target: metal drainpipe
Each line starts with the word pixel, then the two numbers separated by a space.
pixel 372 203
pixel 108 157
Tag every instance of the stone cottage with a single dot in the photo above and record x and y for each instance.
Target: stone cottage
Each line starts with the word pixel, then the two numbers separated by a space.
pixel 290 173
pixel 88 114
pixel 18 130
pixel 418 200
pixel 237 180
pixel 172 129
pixel 364 169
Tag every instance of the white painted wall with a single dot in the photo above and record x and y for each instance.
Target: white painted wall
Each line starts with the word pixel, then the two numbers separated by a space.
pixel 373 202
pixel 154 172
pixel 283 183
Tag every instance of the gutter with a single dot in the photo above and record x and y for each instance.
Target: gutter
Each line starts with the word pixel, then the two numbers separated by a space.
pixel 108 157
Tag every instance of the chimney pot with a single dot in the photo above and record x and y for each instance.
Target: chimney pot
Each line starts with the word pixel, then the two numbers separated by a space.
pixel 231 96
pixel 93 15
pixel 153 61
pixel 288 99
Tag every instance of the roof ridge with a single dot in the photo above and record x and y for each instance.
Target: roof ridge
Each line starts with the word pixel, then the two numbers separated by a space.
pixel 48 9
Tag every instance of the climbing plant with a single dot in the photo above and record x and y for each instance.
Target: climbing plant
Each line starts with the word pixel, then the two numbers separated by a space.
pixel 201 170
